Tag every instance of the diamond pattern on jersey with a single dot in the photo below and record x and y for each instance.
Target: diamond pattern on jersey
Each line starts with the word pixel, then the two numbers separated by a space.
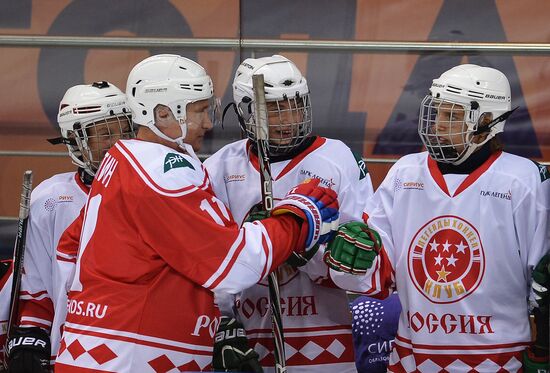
pixel 289 351
pixel 311 350
pixel 487 366
pixel 325 349
pixel 336 348
pixel 190 366
pixel 403 360
pixel 162 364
pixel 263 351
pixel 76 349
pixel 102 354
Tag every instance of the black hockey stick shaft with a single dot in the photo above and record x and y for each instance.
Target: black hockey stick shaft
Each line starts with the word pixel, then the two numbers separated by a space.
pixel 262 145
pixel 19 251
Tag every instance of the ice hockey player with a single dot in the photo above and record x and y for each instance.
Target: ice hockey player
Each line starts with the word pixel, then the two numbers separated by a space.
pixel 91 117
pixel 156 241
pixel 316 317
pixel 462 226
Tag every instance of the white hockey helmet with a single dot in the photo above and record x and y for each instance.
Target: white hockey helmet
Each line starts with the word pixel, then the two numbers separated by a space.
pixel 92 113
pixel 475 99
pixel 173 81
pixel 285 85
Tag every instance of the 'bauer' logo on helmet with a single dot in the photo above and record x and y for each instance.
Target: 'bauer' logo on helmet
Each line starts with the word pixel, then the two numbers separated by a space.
pixel 173 160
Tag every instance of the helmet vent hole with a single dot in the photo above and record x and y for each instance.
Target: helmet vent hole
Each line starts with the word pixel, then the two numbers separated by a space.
pixel 185 86
pixel 452 89
pixel 134 91
pixel 475 94
pixel 183 67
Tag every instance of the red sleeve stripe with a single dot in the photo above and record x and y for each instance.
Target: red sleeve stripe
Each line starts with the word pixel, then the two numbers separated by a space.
pixel 27 320
pixel 268 249
pixel 62 259
pixel 38 296
pixel 151 183
pixel 228 262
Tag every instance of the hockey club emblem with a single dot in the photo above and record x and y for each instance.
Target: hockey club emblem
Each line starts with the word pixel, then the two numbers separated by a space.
pixel 446 261
pixel 173 160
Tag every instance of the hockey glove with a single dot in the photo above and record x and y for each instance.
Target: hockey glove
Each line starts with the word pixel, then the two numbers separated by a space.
pixel 28 351
pixel 354 248
pixel 315 205
pixel 231 351
pixel 533 364
pixel 536 357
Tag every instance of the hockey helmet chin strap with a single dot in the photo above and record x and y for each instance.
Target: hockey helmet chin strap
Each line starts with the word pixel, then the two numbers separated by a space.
pixel 495 121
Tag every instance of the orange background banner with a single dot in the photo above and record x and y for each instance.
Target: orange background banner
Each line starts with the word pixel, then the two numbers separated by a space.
pixel 368 100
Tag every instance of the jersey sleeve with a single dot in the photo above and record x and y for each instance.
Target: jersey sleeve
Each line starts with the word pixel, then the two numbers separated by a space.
pixel 531 221
pixel 206 245
pixel 379 280
pixel 36 306
pixel 67 250
pixel 356 188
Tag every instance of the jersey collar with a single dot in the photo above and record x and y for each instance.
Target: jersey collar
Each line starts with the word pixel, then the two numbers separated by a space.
pixel 85 188
pixel 470 179
pixel 317 143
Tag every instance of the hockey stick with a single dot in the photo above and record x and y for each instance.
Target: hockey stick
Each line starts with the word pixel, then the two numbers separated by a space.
pixel 262 145
pixel 19 251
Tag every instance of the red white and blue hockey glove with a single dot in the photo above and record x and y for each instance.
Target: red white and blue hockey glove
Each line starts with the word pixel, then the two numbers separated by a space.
pixel 536 357
pixel 318 206
pixel 231 351
pixel 354 248
pixel 28 351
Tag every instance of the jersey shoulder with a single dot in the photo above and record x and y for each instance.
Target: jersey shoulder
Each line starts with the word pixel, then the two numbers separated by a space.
pixel 161 168
pixel 523 169
pixel 59 187
pixel 237 149
pixel 341 156
pixel 231 156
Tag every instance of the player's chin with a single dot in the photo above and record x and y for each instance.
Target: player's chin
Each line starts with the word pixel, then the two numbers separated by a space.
pixel 197 143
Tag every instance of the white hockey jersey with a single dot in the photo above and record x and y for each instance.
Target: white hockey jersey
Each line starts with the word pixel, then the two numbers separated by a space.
pixel 459 249
pixel 316 317
pixel 5 298
pixel 155 242
pixel 55 203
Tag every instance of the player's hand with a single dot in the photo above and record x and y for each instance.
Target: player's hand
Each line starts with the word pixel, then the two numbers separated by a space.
pixel 231 351
pixel 317 207
pixel 354 248
pixel 28 351
pixel 256 213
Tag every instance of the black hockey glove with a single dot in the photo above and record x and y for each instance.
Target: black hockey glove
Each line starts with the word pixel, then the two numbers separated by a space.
pixel 231 351
pixel 28 351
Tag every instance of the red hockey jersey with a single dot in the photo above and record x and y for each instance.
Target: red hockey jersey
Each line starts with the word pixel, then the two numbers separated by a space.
pixel 155 240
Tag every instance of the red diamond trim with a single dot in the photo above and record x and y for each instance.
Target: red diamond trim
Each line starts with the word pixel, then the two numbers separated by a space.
pixel 76 349
pixel 162 364
pixel 102 354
